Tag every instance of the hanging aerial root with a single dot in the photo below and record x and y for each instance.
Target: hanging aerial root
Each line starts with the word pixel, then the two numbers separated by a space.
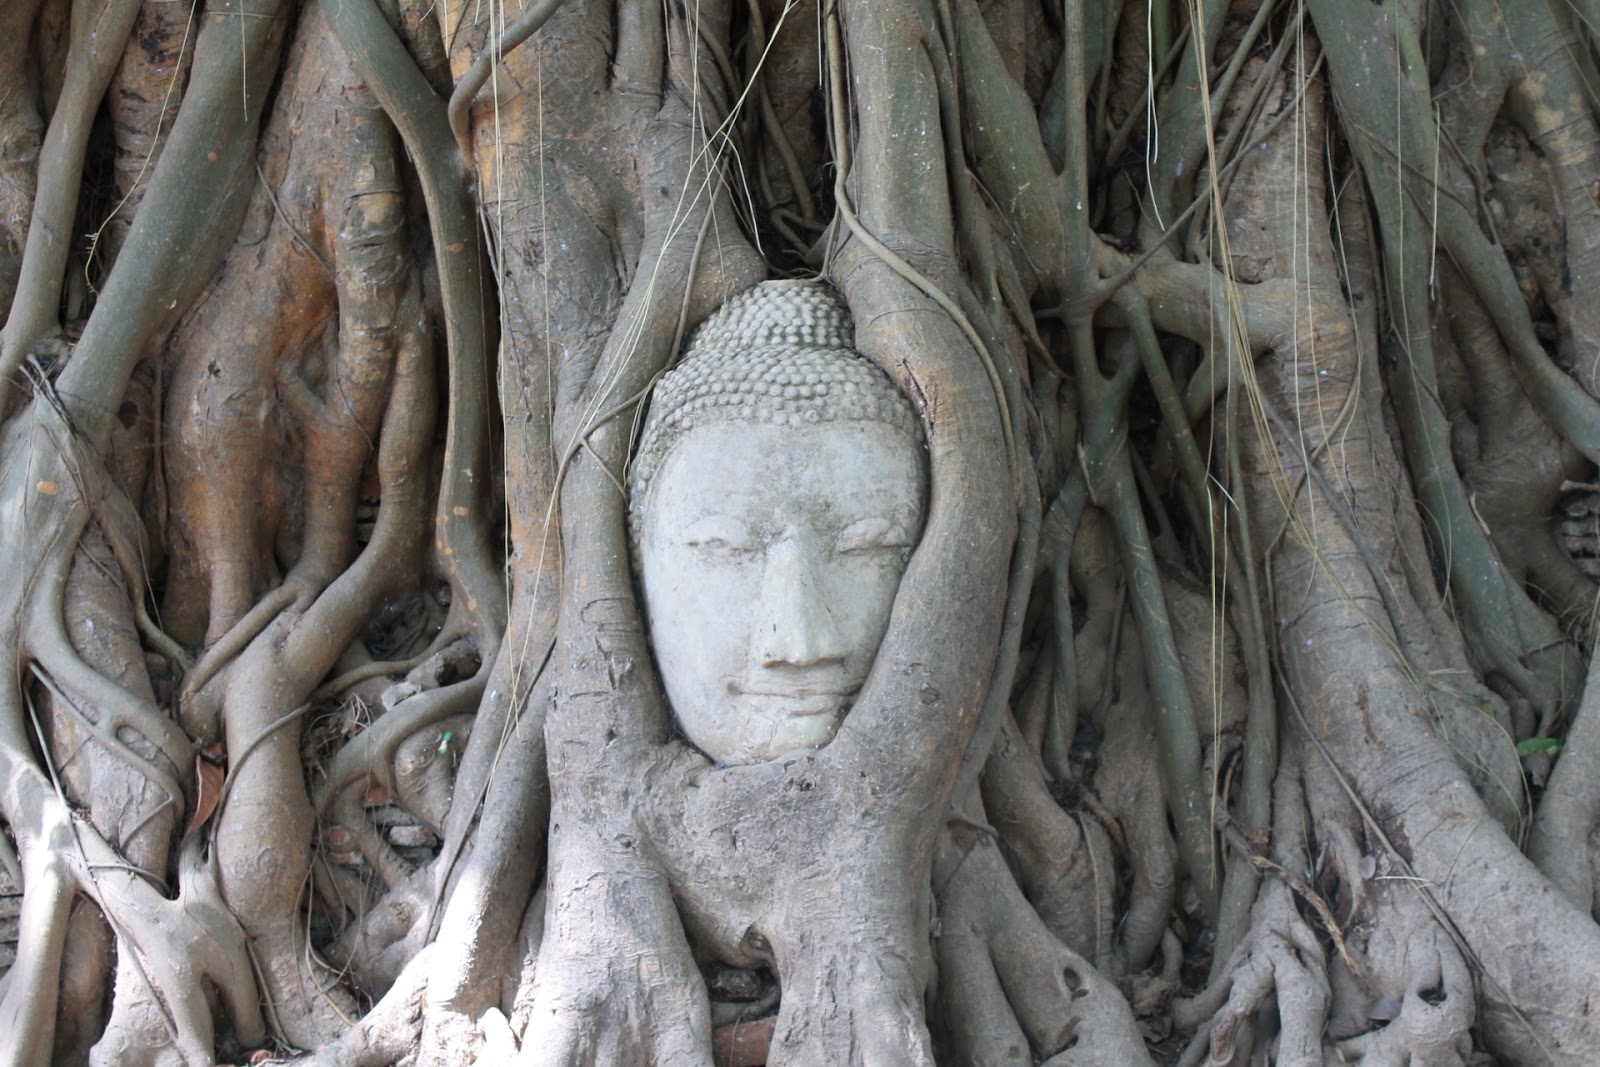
pixel 420 117
pixel 1508 630
pixel 100 28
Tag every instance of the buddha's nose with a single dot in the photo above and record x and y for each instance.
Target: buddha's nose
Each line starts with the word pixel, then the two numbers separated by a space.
pixel 794 626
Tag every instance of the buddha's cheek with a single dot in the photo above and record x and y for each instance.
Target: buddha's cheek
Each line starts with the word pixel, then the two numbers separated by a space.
pixel 860 592
pixel 699 616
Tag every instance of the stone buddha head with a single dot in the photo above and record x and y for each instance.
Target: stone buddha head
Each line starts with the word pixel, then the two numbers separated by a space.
pixel 777 493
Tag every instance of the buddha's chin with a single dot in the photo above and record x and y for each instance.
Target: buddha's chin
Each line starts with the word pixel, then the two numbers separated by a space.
pixel 771 729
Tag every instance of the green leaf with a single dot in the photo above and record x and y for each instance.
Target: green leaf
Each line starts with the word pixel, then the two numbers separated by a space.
pixel 1548 745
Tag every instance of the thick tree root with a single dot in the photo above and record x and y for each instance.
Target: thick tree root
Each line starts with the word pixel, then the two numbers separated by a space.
pixel 1063 863
pixel 21 131
pixel 964 153
pixel 387 1032
pixel 1569 812
pixel 616 985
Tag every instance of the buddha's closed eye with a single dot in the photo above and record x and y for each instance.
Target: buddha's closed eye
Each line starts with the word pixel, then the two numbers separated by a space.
pixel 719 535
pixel 872 533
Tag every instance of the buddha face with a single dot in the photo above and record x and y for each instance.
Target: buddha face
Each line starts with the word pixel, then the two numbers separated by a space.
pixel 770 557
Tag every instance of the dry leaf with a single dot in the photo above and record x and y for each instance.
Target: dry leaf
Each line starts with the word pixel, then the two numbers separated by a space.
pixel 208 778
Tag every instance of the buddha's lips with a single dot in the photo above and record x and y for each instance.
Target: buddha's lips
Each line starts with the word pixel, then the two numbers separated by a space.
pixel 799 702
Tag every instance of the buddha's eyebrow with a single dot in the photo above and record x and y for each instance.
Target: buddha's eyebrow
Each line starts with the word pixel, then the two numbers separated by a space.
pixel 711 514
pixel 908 518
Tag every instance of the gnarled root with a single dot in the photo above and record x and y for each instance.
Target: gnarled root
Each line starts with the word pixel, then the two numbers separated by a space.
pixel 477 964
pixel 1429 1022
pixel 171 943
pixel 1280 959
pixel 1063 864
pixel 854 998
pixel 138 1033
pixel 1569 812
pixel 103 766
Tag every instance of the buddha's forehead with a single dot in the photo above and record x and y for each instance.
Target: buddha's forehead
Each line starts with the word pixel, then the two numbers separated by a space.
pixel 777 357
pixel 828 473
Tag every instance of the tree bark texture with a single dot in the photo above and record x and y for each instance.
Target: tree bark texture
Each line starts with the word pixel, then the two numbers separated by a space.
pixel 1238 702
